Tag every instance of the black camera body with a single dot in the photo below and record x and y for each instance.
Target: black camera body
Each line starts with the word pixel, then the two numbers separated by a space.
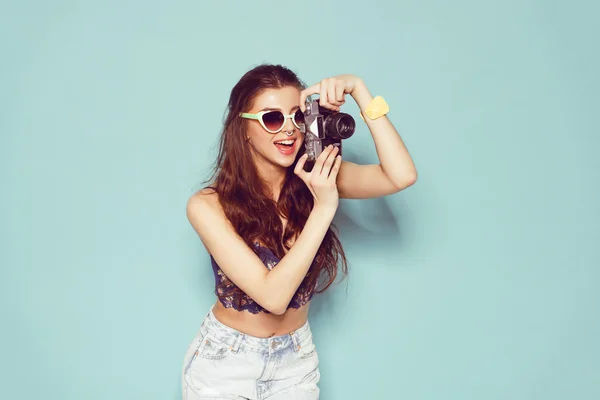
pixel 322 128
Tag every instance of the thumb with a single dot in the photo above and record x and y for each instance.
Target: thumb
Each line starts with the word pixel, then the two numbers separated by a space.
pixel 299 168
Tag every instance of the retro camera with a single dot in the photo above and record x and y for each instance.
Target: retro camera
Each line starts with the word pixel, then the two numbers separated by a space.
pixel 322 128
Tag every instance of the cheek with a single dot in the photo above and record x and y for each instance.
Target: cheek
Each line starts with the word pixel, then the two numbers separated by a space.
pixel 253 132
pixel 258 136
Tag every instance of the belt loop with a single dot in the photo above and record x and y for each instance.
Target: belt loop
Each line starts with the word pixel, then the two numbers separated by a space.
pixel 295 341
pixel 238 341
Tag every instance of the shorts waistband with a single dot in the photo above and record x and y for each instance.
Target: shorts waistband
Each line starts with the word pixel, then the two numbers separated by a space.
pixel 235 339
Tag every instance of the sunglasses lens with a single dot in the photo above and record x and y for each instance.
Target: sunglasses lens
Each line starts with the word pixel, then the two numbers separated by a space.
pixel 273 120
pixel 299 118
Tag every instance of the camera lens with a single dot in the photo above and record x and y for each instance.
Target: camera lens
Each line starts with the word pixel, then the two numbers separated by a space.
pixel 339 126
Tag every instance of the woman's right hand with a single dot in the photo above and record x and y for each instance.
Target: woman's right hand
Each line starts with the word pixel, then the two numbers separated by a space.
pixel 321 180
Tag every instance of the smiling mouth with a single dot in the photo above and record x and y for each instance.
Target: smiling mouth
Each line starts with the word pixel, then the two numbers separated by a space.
pixel 286 146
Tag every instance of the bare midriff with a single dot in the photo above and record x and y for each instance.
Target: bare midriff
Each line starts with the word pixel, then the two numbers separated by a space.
pixel 262 325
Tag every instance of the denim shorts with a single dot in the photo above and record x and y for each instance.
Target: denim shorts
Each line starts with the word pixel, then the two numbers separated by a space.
pixel 224 363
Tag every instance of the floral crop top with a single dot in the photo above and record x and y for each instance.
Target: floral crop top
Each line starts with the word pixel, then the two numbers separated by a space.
pixel 244 302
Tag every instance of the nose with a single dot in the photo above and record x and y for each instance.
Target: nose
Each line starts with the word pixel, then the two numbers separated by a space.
pixel 289 125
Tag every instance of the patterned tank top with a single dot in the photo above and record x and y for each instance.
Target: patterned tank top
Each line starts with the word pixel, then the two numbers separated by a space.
pixel 241 302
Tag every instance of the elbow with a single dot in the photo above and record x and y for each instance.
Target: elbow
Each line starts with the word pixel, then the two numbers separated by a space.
pixel 411 179
pixel 405 181
pixel 274 298
pixel 276 309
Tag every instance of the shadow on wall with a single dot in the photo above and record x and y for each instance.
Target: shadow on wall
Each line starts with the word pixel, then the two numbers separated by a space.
pixel 373 223
pixel 366 226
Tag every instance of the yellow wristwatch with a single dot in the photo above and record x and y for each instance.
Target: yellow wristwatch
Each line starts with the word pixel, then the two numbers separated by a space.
pixel 377 108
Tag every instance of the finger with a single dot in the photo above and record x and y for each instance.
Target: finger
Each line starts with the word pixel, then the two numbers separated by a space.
pixel 331 95
pixel 336 168
pixel 329 162
pixel 323 95
pixel 339 91
pixel 316 88
pixel 318 167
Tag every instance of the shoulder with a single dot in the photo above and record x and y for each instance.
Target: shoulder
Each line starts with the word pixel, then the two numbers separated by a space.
pixel 204 201
pixel 204 211
pixel 203 198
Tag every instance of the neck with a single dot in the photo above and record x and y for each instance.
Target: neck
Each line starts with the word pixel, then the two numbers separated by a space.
pixel 274 177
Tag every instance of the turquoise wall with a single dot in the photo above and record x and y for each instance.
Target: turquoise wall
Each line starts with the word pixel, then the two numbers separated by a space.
pixel 481 281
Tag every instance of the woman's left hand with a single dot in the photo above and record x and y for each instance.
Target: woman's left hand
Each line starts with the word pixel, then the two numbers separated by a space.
pixel 332 91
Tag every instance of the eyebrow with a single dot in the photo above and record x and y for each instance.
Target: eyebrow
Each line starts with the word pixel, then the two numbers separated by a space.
pixel 278 109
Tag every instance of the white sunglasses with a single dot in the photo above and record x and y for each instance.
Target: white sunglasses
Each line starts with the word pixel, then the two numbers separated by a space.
pixel 274 120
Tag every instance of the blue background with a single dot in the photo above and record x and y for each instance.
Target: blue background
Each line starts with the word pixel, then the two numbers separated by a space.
pixel 481 281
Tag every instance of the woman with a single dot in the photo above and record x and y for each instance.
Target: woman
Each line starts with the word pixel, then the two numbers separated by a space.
pixel 267 225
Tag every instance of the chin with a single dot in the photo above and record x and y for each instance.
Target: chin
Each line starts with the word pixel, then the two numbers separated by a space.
pixel 286 159
pixel 284 162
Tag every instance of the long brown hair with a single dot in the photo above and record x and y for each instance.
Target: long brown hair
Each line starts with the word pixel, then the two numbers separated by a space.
pixel 243 195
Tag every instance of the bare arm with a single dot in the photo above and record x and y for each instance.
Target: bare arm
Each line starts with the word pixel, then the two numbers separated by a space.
pixel 274 289
pixel 395 171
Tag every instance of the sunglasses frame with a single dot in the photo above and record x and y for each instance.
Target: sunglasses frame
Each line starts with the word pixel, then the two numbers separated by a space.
pixel 259 116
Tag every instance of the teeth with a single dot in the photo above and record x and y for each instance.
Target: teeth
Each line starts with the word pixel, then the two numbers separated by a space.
pixel 286 142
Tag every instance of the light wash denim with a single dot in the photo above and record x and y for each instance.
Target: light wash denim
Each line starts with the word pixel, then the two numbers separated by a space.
pixel 224 363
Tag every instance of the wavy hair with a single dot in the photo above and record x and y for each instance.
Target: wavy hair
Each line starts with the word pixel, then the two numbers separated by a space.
pixel 243 195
